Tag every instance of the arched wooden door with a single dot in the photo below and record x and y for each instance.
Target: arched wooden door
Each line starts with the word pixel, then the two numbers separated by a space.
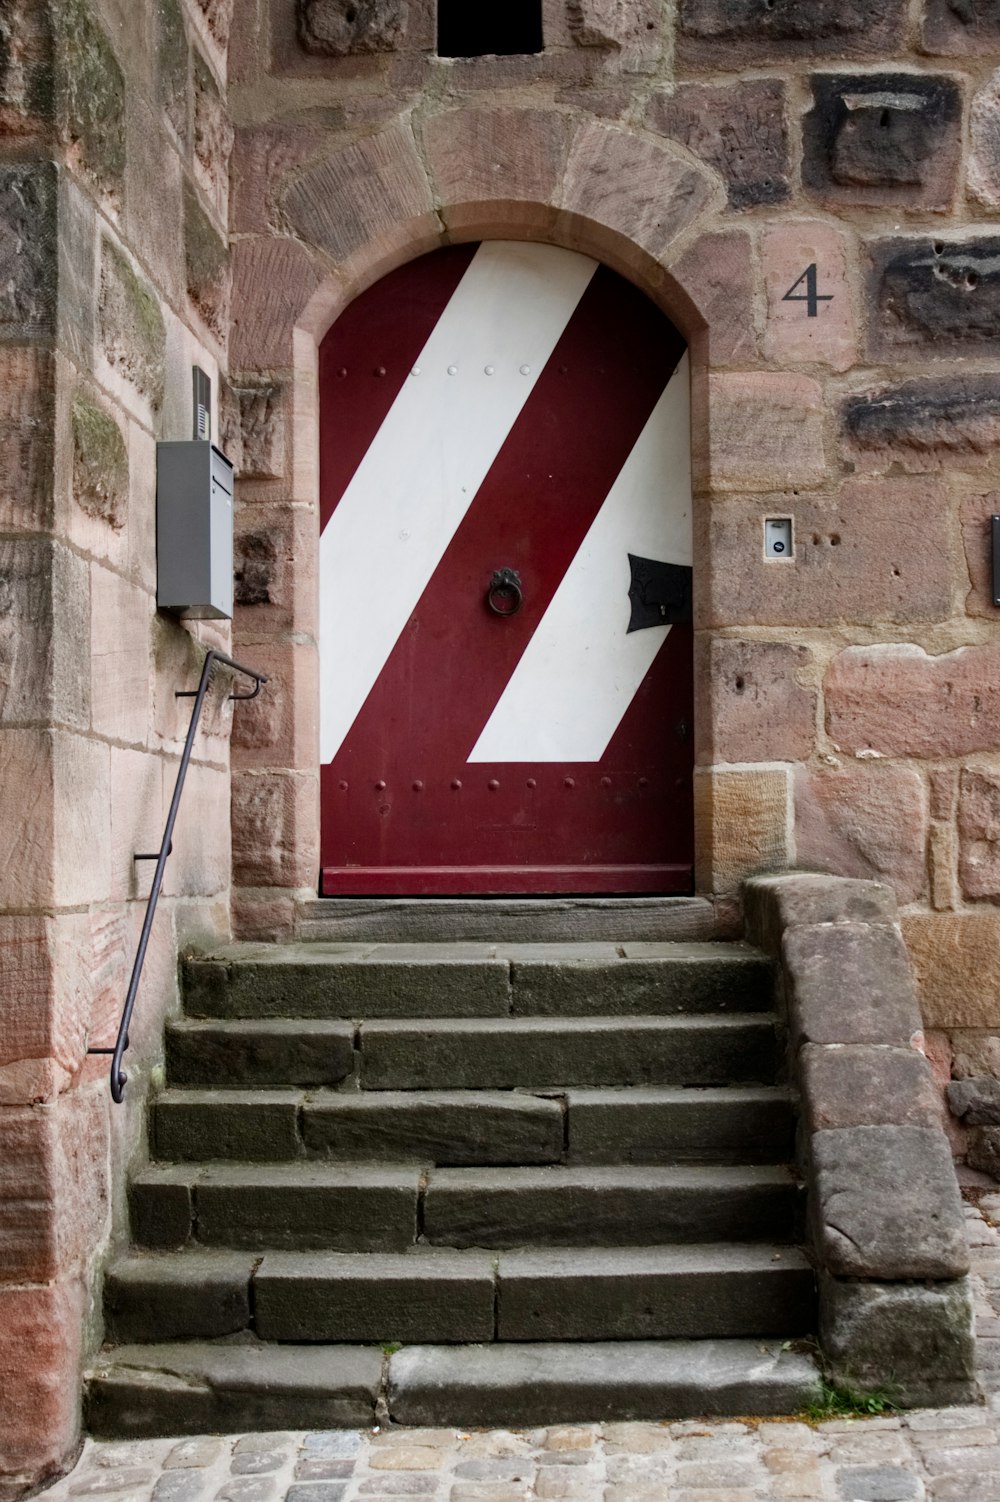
pixel 505 582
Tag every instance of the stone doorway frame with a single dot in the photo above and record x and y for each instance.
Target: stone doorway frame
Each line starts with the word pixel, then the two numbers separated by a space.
pixel 625 198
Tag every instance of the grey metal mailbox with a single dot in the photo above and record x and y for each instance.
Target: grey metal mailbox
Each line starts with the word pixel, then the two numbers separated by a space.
pixel 194 530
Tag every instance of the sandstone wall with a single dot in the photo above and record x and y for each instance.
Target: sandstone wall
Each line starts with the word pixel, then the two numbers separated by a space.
pixel 113 178
pixel 848 709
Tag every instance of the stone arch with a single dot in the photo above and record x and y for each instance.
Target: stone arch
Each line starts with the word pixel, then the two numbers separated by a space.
pixel 624 197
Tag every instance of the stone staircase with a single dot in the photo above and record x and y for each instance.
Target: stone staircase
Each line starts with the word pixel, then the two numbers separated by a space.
pixel 462 1184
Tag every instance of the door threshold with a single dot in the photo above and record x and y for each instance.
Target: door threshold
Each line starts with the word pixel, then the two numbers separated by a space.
pixel 434 920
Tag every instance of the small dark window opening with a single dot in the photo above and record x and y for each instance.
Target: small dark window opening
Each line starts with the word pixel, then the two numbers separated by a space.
pixel 476 28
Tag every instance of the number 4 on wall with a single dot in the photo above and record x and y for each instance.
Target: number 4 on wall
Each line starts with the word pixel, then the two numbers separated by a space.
pixel 810 296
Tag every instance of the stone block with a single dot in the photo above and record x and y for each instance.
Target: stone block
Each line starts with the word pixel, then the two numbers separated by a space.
pixel 975 1101
pixel 854 560
pixel 250 1127
pixel 308 1206
pixel 362 196
pixel 983 171
pixel 798 330
pixel 25 69
pixel 897 700
pixel 732 33
pixel 979 833
pixel 633 28
pixel 636 979
pixel 218 17
pixel 718 274
pixel 977 538
pixel 739 129
pixel 661 1125
pixel 100 462
pixel 974 1053
pixel 933 298
pixel 487 1127
pixel 213 138
pixel 773 903
pixel 849 983
pixel 765 432
pixel 956 965
pixel 45 1005
pixel 856 1085
pixel 90 97
pixel 926 425
pixel 173 67
pixel 44 605
pixel 883 138
pixel 273 280
pixel 120 615
pixel 131 326
pixel 260 1054
pixel 136 819
pixel 982 1150
pixel 198 1295
pixel 264 157
pixel 275 825
pixel 759 710
pixel 864 821
pixel 254 422
pixel 27 414
pixel 276 552
pixel 430 1297
pixel 886 1205
pixel 61 826
pixel 915 1341
pixel 206 257
pixel 201 863
pixel 280 728
pixel 481 158
pixel 743 819
pixel 338 28
pixel 962 28
pixel 27 250
pixel 633 186
pixel 161 1207
pixel 41 1348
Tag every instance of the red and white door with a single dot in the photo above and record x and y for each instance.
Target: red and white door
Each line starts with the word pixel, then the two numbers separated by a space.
pixel 505 582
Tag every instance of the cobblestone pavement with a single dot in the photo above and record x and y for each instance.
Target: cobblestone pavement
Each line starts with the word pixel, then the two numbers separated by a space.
pixel 951 1455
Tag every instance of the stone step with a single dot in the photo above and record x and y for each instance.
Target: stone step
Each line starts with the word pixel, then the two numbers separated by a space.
pixel 136 1392
pixel 542 1052
pixel 260 1053
pixel 475 980
pixel 608 1206
pixel 630 1293
pixel 360 1207
pixel 468 1128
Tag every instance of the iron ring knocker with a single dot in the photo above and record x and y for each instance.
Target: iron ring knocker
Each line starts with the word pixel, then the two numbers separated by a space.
pixel 505 596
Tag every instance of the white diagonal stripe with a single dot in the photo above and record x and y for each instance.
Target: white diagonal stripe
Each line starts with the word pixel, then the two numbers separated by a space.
pixel 581 670
pixel 416 482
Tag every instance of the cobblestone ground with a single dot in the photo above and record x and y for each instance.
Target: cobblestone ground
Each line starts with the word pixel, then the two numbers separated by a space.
pixel 951 1455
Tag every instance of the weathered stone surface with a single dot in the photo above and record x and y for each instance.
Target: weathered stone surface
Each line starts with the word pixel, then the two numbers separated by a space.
pixel 361 193
pixel 854 560
pixel 662 1125
pixel 983 1150
pixel 983 171
pixel 973 1053
pixel 485 1127
pixel 886 1203
pixel 632 185
pixel 273 280
pixel 925 425
pixel 916 1341
pixel 962 28
pixel 307 1206
pixel 62 861
pixel 899 701
pixel 791 333
pixel 864 821
pixel 936 298
pixel 977 538
pixel 765 432
pixel 856 1085
pixel 90 96
pixel 253 1127
pixel 120 615
pixel 717 272
pixel 27 250
pixel 849 983
pixel 976 1101
pixel 760 711
pixel 739 130
pixel 338 28
pixel 480 156
pixel 161 1207
pixel 734 32
pixel 609 23
pixel 431 1297
pixel 173 64
pixel 956 962
pixel 883 138
pixel 206 257
pixel 100 462
pixel 273 816
pixel 979 833
pixel 744 819
pixel 528 1052
pixel 27 414
pixel 44 605
pixel 40 1417
pixel 773 903
pixel 199 1295
pixel 253 1054
pixel 647 980
pixel 25 67
pixel 131 325
pixel 253 427
pixel 213 138
pixel 617 1206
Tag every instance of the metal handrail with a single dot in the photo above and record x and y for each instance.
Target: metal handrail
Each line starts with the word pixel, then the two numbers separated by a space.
pixel 118 1077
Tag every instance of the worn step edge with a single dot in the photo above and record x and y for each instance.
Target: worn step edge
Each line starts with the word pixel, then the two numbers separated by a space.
pixel 139 1392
